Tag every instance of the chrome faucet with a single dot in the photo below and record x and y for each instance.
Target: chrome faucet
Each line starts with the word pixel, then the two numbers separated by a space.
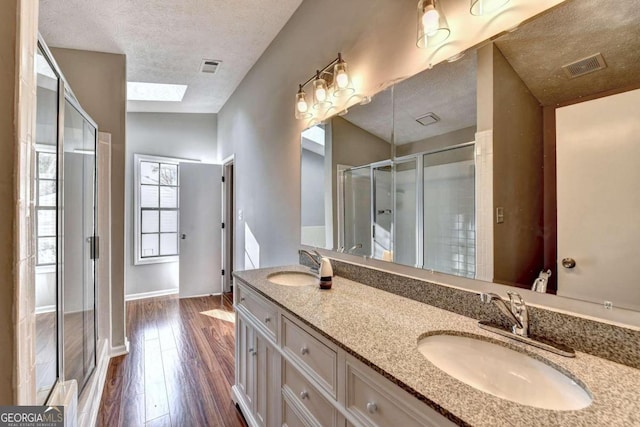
pixel 516 311
pixel 351 249
pixel 315 257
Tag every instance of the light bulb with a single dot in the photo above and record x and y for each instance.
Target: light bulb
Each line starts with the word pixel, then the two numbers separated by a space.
pixel 342 80
pixel 430 21
pixel 321 94
pixel 302 106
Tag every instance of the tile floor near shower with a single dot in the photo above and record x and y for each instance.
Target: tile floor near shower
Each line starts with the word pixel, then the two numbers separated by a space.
pixel 180 366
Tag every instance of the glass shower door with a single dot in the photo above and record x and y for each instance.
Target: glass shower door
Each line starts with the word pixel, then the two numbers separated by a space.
pixel 382 213
pixel 449 211
pixel 357 211
pixel 79 230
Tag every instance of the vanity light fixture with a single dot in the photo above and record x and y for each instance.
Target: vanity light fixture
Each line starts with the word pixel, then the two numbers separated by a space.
pixel 485 7
pixel 330 85
pixel 342 79
pixel 321 98
pixel 302 106
pixel 433 28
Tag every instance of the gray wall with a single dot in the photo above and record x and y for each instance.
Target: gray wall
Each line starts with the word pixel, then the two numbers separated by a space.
pixel 8 80
pixel 99 82
pixel 190 136
pixel 257 122
pixel 518 180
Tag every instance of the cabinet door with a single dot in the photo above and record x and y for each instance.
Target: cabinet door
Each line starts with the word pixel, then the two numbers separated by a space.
pixel 246 350
pixel 266 387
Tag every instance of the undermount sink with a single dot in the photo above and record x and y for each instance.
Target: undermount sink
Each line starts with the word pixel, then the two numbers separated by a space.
pixel 293 278
pixel 505 373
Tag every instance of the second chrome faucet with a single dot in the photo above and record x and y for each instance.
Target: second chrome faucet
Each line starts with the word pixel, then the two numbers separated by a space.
pixel 516 311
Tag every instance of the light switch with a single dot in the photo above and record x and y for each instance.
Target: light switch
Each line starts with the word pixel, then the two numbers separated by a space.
pixel 499 215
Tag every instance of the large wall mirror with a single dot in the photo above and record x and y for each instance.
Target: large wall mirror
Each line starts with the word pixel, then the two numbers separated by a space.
pixel 514 162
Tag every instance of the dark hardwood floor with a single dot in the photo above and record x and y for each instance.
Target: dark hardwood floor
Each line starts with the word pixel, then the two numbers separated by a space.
pixel 180 366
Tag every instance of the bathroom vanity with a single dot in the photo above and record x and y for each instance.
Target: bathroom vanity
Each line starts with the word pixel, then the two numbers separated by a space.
pixel 350 356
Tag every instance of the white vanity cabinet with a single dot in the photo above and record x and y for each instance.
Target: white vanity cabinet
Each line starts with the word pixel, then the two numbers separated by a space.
pixel 257 362
pixel 287 374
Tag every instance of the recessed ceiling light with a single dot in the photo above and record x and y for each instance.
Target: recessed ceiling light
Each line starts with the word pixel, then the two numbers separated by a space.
pixel 139 91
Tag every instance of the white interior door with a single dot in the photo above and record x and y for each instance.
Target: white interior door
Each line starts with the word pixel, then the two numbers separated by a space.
pixel 200 229
pixel 598 172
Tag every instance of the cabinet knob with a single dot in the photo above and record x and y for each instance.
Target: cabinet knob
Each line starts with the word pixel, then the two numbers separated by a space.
pixel 267 319
pixel 372 407
pixel 252 351
pixel 304 350
pixel 568 262
pixel 304 394
pixel 242 299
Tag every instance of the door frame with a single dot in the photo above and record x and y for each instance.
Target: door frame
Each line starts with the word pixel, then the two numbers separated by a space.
pixel 228 206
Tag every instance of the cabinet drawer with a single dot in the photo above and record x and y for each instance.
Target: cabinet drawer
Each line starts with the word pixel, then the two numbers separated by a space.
pixel 375 401
pixel 290 417
pixel 264 312
pixel 317 359
pixel 301 392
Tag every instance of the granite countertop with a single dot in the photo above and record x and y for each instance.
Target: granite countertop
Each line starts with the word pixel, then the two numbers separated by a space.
pixel 382 329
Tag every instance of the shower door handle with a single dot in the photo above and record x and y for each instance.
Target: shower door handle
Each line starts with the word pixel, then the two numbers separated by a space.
pixel 94 247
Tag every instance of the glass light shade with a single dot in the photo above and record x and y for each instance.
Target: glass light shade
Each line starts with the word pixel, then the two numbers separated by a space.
pixel 433 28
pixel 302 106
pixel 485 7
pixel 341 80
pixel 320 94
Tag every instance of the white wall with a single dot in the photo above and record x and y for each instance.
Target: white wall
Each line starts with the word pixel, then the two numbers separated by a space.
pixel 377 38
pixel 191 136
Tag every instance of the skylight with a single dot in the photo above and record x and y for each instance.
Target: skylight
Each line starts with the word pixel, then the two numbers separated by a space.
pixel 138 91
pixel 315 134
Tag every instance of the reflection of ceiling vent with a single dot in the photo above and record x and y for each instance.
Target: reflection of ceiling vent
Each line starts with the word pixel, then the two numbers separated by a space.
pixel 428 119
pixel 209 66
pixel 585 66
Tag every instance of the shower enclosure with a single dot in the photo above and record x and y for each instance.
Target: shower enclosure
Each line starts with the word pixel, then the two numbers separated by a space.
pixel 418 210
pixel 65 232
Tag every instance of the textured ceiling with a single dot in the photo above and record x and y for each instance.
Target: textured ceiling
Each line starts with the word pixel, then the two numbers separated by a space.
pixel 448 90
pixel 166 40
pixel 572 31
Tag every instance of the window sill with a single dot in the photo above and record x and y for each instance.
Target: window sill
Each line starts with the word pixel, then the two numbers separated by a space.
pixel 157 260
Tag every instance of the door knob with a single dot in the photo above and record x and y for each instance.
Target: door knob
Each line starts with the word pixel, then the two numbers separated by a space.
pixel 568 262
pixel 183 237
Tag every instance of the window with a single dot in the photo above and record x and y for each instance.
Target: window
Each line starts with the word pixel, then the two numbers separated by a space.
pixel 46 208
pixel 157 209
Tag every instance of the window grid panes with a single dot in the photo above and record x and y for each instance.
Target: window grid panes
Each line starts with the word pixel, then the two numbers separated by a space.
pixel 159 209
pixel 46 225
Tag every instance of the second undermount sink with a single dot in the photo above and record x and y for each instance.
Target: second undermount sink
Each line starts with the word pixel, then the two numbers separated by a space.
pixel 293 278
pixel 505 373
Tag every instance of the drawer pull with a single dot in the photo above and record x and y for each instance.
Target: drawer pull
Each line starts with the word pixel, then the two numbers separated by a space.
pixel 304 350
pixel 372 407
pixel 267 319
pixel 242 299
pixel 304 394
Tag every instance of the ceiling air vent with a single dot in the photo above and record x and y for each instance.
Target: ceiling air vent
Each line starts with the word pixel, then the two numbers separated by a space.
pixel 210 66
pixel 585 66
pixel 428 119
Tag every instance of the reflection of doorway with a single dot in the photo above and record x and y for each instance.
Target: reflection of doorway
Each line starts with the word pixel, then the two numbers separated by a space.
pixel 228 209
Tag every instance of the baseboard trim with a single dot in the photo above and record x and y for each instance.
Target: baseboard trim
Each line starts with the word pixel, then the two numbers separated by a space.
pixel 152 294
pixel 201 295
pixel 46 309
pixel 120 350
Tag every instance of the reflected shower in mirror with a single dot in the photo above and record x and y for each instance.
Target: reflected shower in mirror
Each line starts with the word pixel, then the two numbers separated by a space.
pixel 515 163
